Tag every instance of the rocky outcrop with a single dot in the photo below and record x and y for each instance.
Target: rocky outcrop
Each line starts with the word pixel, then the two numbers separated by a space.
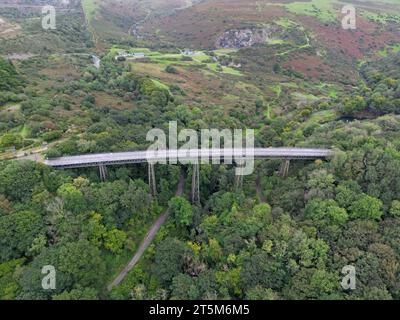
pixel 246 37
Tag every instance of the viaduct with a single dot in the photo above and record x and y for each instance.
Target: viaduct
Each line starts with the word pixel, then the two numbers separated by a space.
pixel 189 156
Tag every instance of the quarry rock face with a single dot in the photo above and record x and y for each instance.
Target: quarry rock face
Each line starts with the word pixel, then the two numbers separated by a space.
pixel 242 38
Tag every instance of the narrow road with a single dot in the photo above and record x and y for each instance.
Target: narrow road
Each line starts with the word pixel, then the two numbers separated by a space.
pixel 147 240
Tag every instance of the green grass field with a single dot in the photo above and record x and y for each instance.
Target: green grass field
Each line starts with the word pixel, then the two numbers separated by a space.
pixel 198 58
pixel 24 131
pixel 320 9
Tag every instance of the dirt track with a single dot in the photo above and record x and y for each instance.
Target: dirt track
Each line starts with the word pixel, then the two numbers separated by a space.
pixel 147 240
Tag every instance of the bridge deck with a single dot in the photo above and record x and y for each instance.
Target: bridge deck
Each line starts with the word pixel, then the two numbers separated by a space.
pixel 118 158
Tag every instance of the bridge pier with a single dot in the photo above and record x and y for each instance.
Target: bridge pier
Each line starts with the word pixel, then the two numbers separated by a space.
pixel 103 172
pixel 152 179
pixel 239 176
pixel 284 170
pixel 196 184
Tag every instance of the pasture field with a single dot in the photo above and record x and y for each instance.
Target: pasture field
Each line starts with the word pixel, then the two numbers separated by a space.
pixel 197 58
